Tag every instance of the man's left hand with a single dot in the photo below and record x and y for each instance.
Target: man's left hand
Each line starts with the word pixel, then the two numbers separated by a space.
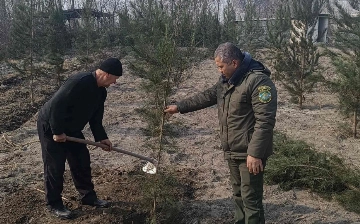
pixel 254 165
pixel 108 143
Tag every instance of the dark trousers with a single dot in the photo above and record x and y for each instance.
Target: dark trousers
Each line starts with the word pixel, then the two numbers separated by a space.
pixel 54 155
pixel 247 193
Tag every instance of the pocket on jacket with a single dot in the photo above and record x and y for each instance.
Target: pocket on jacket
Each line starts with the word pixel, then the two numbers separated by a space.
pixel 236 99
pixel 240 143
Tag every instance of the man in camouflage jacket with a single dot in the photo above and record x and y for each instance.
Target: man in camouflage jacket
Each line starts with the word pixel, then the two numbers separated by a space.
pixel 247 102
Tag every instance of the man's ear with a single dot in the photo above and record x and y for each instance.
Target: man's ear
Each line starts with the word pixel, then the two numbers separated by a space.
pixel 236 63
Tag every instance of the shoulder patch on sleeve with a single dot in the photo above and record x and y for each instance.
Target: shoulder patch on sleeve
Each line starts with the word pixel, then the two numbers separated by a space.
pixel 264 94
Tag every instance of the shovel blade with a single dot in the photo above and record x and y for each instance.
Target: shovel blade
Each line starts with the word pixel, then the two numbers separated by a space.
pixel 149 168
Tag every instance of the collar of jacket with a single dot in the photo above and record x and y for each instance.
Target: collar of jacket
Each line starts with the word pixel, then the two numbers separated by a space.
pixel 240 72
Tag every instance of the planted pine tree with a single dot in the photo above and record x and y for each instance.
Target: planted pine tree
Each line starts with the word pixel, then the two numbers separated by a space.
pixel 250 30
pixel 22 43
pixel 159 58
pixel 182 14
pixel 229 31
pixel 278 33
pixel 347 61
pixel 297 60
pixel 162 71
pixel 86 34
pixel 347 87
pixel 57 40
pixel 207 25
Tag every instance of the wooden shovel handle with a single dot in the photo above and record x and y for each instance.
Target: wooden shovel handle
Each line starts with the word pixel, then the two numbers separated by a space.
pixel 84 141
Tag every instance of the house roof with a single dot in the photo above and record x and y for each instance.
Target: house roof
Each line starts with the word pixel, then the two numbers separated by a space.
pixel 345 5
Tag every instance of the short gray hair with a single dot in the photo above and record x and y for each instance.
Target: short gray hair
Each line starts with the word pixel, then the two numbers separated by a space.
pixel 228 52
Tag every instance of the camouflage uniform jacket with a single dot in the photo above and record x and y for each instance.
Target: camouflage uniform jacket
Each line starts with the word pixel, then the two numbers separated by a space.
pixel 247 105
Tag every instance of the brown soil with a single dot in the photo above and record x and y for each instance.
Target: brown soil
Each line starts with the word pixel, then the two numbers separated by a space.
pixel 16 109
pixel 24 203
pixel 203 190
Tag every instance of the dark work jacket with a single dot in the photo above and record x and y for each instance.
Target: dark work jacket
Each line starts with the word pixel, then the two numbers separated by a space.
pixel 78 101
pixel 245 110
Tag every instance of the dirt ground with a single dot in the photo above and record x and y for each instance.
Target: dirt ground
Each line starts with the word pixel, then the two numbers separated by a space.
pixel 204 194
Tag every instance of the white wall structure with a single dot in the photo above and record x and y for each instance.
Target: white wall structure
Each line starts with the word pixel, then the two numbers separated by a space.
pixel 346 5
pixel 322 26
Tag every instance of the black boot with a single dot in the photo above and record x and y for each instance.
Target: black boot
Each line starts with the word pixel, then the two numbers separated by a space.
pixel 97 203
pixel 60 211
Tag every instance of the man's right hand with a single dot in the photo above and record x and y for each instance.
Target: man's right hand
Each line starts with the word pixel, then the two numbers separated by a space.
pixel 171 109
pixel 60 138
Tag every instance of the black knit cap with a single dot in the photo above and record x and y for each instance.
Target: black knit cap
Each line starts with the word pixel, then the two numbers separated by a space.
pixel 112 66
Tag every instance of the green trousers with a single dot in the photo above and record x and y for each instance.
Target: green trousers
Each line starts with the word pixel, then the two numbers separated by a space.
pixel 247 193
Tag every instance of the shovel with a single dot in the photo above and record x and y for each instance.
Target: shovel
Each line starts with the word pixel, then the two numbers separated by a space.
pixel 148 168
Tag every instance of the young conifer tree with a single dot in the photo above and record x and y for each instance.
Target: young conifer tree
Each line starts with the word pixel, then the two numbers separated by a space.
pixel 347 63
pixel 160 61
pixel 86 35
pixel 278 33
pixel 181 16
pixel 207 25
pixel 250 29
pixel 22 42
pixel 297 64
pixel 229 31
pixel 57 39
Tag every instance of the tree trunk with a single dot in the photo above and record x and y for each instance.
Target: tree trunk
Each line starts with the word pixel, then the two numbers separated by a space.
pixel 58 71
pixel 302 78
pixel 31 56
pixel 355 123
pixel 301 95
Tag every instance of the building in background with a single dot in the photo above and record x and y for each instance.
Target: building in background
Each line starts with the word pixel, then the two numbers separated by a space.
pixel 323 28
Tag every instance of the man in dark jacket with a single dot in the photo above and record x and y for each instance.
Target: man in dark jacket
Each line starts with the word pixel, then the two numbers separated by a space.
pixel 247 102
pixel 80 100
